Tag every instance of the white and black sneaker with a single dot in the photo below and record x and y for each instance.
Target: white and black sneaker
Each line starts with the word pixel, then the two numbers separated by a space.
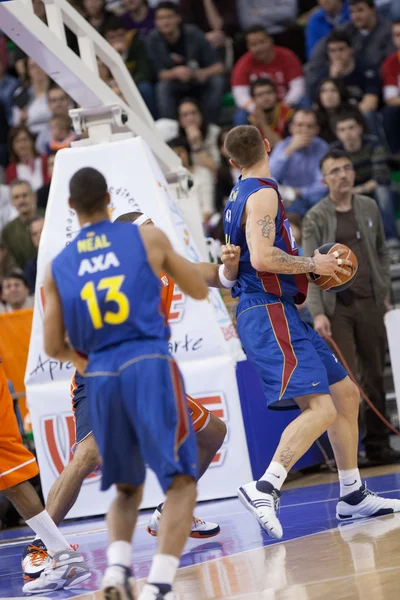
pixel 364 503
pixel 117 583
pixel 157 592
pixel 200 529
pixel 262 500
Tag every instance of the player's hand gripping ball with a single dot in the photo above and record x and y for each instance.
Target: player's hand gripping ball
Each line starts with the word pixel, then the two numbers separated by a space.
pixel 230 255
pixel 344 275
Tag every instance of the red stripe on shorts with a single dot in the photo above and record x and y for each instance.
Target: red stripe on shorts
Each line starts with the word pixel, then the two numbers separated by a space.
pixel 280 327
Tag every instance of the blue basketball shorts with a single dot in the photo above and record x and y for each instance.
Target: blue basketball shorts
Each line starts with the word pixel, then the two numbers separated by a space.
pixel 292 359
pixel 80 407
pixel 139 414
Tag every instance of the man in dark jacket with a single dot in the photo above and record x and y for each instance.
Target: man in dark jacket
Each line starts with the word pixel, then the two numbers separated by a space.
pixel 185 63
pixel 354 317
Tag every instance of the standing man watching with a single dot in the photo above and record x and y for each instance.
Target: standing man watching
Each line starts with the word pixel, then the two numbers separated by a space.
pixel 354 317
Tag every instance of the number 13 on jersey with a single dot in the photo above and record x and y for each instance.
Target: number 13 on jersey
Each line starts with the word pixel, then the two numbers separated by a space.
pixel 112 286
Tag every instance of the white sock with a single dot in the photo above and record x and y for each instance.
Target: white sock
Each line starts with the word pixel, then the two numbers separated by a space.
pixel 350 481
pixel 275 474
pixel 45 528
pixel 119 553
pixel 163 569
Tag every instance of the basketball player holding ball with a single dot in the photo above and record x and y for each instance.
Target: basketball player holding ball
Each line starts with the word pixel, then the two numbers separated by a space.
pixel 297 369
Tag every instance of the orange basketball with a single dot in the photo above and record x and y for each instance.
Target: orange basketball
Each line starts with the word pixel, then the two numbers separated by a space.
pixel 328 283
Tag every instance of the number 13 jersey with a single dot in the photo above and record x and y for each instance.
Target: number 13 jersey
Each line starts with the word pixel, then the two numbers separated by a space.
pixel 108 290
pixel 251 281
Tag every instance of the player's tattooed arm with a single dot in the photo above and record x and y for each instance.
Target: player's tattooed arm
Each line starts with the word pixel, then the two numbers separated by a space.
pixel 281 262
pixel 267 225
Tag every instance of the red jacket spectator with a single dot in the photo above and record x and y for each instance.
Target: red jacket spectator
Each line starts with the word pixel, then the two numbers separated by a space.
pixel 391 76
pixel 268 61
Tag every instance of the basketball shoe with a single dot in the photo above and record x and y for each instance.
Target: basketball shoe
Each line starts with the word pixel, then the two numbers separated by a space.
pixel 262 500
pixel 364 503
pixel 66 570
pixel 200 529
pixel 34 560
pixel 117 583
pixel 153 592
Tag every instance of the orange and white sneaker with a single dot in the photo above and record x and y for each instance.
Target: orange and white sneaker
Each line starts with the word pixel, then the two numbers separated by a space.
pixel 34 560
pixel 200 529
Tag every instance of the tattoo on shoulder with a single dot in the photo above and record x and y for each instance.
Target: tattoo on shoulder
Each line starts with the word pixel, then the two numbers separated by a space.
pixel 267 226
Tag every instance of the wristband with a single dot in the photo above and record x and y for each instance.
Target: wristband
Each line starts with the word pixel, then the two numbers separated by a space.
pixel 140 220
pixel 227 283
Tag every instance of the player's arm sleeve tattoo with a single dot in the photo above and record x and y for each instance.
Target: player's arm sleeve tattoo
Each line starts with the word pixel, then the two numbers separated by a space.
pixel 279 261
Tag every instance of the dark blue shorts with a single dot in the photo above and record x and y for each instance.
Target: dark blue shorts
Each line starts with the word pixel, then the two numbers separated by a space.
pixel 80 407
pixel 139 414
pixel 292 359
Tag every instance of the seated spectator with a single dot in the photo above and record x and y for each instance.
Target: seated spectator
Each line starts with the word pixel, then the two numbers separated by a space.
pixel 270 116
pixel 294 163
pixel 361 80
pixel 216 18
pixel 8 85
pixel 4 130
pixel 43 193
pixel 201 136
pixel 263 59
pixel 59 104
pixel 370 38
pixel 30 270
pixel 185 63
pixel 332 99
pixel 25 162
pixel 96 14
pixel 30 100
pixel 62 133
pixel 391 93
pixel 203 188
pixel 320 24
pixel 139 16
pixel 371 169
pixel 15 293
pixel 278 18
pixel 15 236
pixel 134 54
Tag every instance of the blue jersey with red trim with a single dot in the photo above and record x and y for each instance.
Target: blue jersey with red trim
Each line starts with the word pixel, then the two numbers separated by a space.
pixel 251 281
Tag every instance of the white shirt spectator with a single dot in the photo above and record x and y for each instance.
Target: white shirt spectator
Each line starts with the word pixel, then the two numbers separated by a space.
pixel 7 211
pixel 38 114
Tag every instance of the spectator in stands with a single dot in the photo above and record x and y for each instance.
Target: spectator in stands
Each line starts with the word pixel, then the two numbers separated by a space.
pixel 332 99
pixel 185 63
pixel 139 16
pixel 372 175
pixel 263 59
pixel 320 24
pixel 354 317
pixel 8 85
pixel 15 292
pixel 16 237
pixel 30 270
pixel 96 14
pixel 43 193
pixel 134 54
pixel 370 38
pixel 25 162
pixel 391 92
pixel 201 136
pixel 30 100
pixel 4 129
pixel 270 116
pixel 216 18
pixel 62 133
pixel 59 104
pixel 295 162
pixel 203 188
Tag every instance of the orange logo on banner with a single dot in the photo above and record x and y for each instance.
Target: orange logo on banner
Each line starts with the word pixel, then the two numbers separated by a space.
pixel 53 442
pixel 177 309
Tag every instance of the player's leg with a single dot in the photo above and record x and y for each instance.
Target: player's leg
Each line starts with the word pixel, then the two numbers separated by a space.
pixel 261 497
pixel 17 466
pixel 355 501
pixel 210 434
